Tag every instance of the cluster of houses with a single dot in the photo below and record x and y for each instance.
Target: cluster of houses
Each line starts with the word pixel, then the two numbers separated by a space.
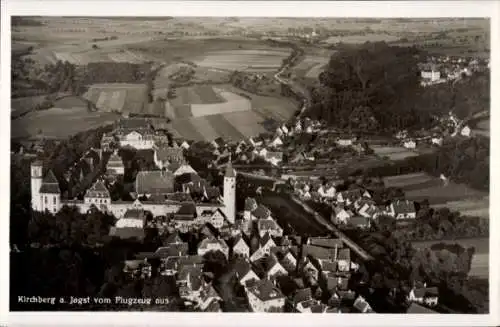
pixel 353 207
pixel 437 70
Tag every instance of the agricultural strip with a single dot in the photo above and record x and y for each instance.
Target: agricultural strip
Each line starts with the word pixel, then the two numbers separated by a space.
pixel 249 123
pixel 223 127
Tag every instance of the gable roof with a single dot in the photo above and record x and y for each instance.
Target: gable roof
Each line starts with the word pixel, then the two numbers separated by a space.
pixel 50 185
pixel 265 290
pixel 344 254
pixel 151 182
pixel 403 206
pixel 241 267
pixel 98 189
pixel 317 252
pixel 187 209
pixel 172 250
pixel 230 172
pixel 265 239
pixel 212 240
pixel 135 214
pixel 173 238
pixel 127 233
pixel 303 294
pixel 115 161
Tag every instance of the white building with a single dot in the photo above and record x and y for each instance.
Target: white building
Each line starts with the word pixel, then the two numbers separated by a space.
pixel 230 193
pixel 263 296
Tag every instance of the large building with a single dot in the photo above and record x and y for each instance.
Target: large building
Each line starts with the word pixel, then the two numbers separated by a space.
pixel 154 193
pixel 137 133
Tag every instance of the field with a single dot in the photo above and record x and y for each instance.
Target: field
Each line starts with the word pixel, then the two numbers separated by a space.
pixel 473 207
pixel 117 97
pixel 244 60
pixel 358 39
pixel 20 106
pixel 311 66
pixel 480 260
pixel 393 152
pixel 420 186
pixel 59 122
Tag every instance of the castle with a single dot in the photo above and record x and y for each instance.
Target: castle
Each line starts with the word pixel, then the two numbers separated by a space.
pixel 157 198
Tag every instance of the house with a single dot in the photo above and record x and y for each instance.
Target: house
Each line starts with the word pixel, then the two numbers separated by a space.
pixel 184 169
pixel 369 210
pixel 209 300
pixel 97 194
pixel 115 165
pixel 240 247
pixel 431 75
pixel 269 226
pixel 285 256
pixel 148 183
pixel 165 155
pixel 244 273
pixel 255 142
pixel 212 244
pixel 332 282
pixel 350 196
pixel 137 268
pixel 344 259
pixel 424 295
pixel 276 142
pixel 327 191
pixel 190 282
pixel 185 145
pixel 266 243
pixel 344 141
pixel 410 144
pixel 402 209
pixel 270 267
pixel 436 140
pixel 274 158
pixel 262 152
pixel 465 131
pixel 362 305
pixel 299 298
pixel 341 216
pixel 264 296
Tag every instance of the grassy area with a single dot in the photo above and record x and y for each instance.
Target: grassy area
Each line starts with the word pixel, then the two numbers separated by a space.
pixel 59 123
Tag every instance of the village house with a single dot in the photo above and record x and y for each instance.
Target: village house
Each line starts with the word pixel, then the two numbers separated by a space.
pixel 270 267
pixel 362 305
pixel 240 247
pixel 209 300
pixel 285 256
pixel 465 131
pixel 331 282
pixel 276 142
pixel 360 222
pixel 273 157
pixel 190 283
pixel 344 141
pixel 97 194
pixel 269 226
pixel 212 244
pixel 409 144
pixel 266 243
pixel 244 272
pixel 402 209
pixel 327 191
pixel 344 259
pixel 115 165
pixel 341 215
pixel 424 295
pixel 264 296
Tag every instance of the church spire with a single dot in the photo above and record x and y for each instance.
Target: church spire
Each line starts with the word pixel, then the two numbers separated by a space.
pixel 230 172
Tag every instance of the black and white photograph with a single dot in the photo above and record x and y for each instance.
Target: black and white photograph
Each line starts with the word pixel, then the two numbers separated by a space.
pixel 240 164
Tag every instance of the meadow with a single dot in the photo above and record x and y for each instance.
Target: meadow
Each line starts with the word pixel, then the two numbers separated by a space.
pixel 59 122
pixel 117 97
pixel 244 60
pixel 393 152
pixel 311 66
pixel 21 106
pixel 420 186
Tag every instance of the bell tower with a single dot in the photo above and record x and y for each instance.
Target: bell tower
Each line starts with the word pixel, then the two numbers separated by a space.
pixel 230 192
pixel 36 184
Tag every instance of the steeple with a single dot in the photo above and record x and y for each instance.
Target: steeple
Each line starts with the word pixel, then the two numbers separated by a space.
pixel 230 172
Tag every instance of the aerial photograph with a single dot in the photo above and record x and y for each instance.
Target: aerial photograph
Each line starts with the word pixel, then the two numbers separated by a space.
pixel 250 164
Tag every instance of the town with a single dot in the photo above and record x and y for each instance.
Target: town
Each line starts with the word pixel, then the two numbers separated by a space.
pixel 326 211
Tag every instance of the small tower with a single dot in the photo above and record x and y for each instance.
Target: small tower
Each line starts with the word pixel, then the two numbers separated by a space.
pixel 230 192
pixel 36 184
pixel 50 194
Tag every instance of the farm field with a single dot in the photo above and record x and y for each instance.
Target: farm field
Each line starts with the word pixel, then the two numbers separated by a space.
pixel 311 66
pixel 20 106
pixel 59 123
pixel 246 116
pixel 117 97
pixel 244 60
pixel 420 186
pixel 358 39
pixel 480 260
pixel 393 152
pixel 473 207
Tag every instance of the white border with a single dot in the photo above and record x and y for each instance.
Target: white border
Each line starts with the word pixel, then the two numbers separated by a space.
pixel 256 9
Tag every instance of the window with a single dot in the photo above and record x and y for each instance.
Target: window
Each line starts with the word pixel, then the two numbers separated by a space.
pixel 54 200
pixel 46 201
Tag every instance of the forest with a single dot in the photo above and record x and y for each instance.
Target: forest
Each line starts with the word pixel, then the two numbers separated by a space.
pixel 384 81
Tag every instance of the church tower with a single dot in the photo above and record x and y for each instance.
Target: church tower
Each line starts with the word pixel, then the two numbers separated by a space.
pixel 36 184
pixel 230 192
